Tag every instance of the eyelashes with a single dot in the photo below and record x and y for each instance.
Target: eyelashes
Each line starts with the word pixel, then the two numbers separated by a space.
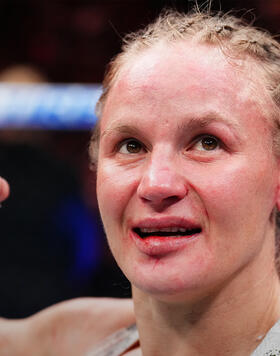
pixel 202 143
pixel 131 146
pixel 207 143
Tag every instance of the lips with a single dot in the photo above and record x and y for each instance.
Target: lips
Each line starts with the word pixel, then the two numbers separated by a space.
pixel 157 237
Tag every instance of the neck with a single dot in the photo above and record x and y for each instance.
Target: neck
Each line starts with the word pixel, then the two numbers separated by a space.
pixel 227 322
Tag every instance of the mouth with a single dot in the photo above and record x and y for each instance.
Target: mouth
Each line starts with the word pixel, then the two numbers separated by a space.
pixel 165 235
pixel 175 232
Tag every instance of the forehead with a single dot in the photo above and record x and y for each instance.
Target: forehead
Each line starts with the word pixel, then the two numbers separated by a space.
pixel 174 62
pixel 180 77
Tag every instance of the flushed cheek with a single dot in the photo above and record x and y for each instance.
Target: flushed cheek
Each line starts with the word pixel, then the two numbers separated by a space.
pixel 237 194
pixel 113 193
pixel 115 187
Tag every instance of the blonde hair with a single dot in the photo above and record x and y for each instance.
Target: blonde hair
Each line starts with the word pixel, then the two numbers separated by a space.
pixel 224 30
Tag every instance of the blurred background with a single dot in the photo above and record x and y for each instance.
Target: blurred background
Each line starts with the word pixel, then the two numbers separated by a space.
pixel 52 246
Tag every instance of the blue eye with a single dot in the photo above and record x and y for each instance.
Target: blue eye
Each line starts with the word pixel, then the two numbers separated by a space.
pixel 131 146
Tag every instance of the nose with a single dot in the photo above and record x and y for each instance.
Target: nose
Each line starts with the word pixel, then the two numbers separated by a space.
pixel 161 183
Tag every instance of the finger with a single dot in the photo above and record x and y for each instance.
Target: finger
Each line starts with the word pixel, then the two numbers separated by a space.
pixel 4 189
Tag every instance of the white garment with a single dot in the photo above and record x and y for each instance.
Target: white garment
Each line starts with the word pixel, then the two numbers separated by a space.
pixel 270 346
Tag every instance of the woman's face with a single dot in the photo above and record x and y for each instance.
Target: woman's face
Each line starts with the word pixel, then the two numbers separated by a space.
pixel 187 179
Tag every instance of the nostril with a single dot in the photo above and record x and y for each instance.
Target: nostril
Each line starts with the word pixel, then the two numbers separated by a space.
pixel 162 204
pixel 172 199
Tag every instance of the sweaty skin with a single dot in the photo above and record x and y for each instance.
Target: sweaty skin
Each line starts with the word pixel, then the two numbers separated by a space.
pixel 172 180
pixel 158 168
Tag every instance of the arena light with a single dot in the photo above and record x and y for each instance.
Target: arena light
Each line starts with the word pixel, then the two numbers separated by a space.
pixel 46 106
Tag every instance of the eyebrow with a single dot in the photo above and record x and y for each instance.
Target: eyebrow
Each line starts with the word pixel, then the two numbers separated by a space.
pixel 207 119
pixel 188 125
pixel 122 129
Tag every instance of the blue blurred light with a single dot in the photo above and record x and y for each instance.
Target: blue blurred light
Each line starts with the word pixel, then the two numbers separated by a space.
pixel 46 106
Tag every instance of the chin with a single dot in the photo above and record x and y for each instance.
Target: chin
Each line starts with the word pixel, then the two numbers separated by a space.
pixel 170 293
pixel 178 283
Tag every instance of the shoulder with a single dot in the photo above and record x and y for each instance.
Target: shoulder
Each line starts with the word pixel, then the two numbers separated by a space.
pixel 67 328
pixel 72 327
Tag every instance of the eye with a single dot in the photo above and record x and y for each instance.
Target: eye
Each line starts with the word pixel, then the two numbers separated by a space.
pixel 130 146
pixel 207 143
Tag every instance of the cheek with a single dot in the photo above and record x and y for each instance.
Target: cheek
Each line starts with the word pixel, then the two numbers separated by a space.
pixel 114 190
pixel 237 193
